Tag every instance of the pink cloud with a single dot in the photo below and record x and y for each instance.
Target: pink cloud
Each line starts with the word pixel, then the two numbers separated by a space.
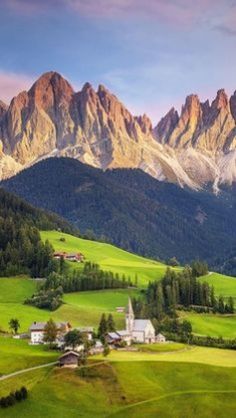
pixel 29 7
pixel 11 84
pixel 180 12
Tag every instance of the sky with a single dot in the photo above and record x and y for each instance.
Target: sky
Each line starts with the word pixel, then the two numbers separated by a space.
pixel 151 54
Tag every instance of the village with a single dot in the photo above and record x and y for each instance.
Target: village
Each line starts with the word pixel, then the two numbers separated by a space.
pixel 76 342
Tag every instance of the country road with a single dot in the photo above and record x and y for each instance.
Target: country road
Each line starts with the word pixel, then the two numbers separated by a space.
pixel 7 376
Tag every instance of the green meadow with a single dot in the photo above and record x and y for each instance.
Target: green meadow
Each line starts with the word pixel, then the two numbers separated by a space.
pixel 212 324
pixel 81 309
pixel 192 383
pixel 223 285
pixel 18 355
pixel 108 257
pixel 85 308
pixel 153 381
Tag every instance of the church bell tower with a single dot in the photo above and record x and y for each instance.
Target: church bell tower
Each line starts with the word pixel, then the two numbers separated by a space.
pixel 129 317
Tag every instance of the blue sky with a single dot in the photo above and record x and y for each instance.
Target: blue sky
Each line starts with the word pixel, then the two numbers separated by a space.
pixel 150 55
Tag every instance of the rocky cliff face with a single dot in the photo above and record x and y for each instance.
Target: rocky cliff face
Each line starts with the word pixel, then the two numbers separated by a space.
pixel 51 119
pixel 204 138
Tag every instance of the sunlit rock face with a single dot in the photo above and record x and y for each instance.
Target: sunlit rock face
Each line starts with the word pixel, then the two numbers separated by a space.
pixel 51 119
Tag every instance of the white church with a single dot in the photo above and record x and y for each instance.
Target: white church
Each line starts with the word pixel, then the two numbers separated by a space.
pixel 137 330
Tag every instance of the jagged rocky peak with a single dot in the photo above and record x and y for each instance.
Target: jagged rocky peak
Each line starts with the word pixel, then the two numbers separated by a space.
pixel 94 127
pixel 50 90
pixel 145 123
pixel 191 111
pixel 221 101
pixel 167 124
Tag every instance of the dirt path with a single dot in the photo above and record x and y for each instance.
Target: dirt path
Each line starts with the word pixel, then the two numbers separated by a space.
pixel 171 394
pixel 7 376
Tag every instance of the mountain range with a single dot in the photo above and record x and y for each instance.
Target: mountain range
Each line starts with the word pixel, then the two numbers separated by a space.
pixel 196 148
pixel 133 210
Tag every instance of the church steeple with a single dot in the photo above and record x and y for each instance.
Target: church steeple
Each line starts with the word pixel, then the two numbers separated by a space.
pixel 129 317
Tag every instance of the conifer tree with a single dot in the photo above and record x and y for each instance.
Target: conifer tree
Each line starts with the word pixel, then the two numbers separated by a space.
pixel 110 323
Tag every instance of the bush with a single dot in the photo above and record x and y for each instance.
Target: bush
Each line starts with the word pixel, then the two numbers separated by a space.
pixel 14 397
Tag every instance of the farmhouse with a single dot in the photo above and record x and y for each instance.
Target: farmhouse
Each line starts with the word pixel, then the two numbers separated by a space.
pixel 76 257
pixel 137 330
pixel 87 331
pixel 69 359
pixel 37 331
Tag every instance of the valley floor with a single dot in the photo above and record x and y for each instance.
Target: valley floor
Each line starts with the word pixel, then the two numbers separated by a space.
pixel 132 385
pixel 166 380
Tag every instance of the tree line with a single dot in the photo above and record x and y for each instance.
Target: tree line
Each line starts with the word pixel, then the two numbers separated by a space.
pixel 21 248
pixel 180 290
pixel 91 277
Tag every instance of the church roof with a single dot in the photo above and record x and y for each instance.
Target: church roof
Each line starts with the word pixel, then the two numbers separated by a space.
pixel 123 332
pixel 140 324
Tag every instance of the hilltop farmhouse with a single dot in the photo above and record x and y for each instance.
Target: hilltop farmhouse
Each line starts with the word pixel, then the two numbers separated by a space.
pixel 76 257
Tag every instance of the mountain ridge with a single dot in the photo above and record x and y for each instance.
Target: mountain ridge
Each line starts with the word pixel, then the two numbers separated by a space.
pixel 193 148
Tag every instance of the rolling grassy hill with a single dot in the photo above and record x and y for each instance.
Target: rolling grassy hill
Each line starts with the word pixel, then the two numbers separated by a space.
pixel 108 257
pixel 85 308
pixel 18 354
pixel 223 285
pixel 198 382
pixel 81 309
pixel 212 324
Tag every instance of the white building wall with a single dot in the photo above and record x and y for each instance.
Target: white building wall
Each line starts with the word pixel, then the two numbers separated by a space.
pixel 138 336
pixel 37 337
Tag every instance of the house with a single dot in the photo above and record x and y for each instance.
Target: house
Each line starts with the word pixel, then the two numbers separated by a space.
pixel 69 359
pixel 116 337
pixel 97 348
pixel 113 338
pixel 137 330
pixel 88 331
pixel 37 331
pixel 76 257
pixel 59 255
pixel 160 338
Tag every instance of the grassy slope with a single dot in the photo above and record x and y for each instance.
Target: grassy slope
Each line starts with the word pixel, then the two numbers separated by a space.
pixel 193 354
pixel 213 325
pixel 18 354
pixel 108 257
pixel 83 308
pixel 134 385
pixel 224 285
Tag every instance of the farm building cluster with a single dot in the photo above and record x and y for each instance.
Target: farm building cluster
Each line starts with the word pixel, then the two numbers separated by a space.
pixel 76 257
pixel 136 331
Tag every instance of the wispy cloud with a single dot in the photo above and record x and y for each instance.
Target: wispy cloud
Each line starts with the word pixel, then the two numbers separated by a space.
pixel 226 30
pixel 11 84
pixel 29 7
pixel 179 12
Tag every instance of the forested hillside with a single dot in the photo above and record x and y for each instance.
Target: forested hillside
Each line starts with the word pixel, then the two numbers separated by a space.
pixel 21 248
pixel 131 209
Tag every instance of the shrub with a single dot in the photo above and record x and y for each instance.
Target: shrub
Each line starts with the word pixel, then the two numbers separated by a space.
pixel 14 397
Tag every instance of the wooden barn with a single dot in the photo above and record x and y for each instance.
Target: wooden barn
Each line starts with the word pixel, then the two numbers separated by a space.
pixel 69 359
